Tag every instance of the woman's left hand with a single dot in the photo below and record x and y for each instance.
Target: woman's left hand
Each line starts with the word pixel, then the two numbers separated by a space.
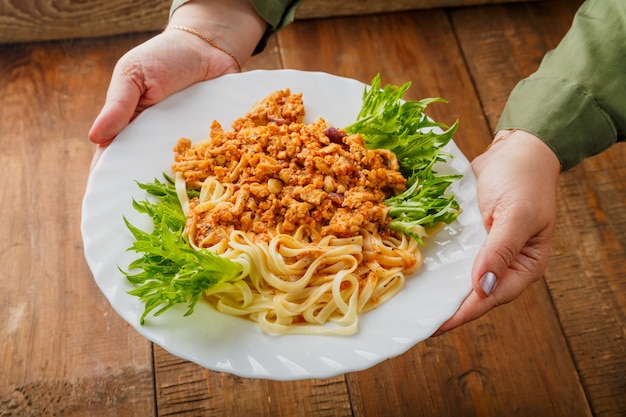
pixel 517 183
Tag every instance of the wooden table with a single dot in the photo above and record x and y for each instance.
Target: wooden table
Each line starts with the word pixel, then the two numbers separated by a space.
pixel 558 350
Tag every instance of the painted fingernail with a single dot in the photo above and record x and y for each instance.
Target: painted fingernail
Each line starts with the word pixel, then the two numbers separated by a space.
pixel 488 282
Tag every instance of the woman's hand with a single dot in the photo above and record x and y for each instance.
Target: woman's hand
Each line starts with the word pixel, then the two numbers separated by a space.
pixel 517 182
pixel 176 59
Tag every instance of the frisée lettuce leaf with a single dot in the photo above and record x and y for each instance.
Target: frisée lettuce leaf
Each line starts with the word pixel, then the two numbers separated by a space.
pixel 387 121
pixel 172 272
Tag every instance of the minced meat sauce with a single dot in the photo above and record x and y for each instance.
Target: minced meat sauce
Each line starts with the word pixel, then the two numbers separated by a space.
pixel 288 173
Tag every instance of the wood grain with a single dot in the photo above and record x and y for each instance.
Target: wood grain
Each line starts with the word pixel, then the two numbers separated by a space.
pixel 495 366
pixel 37 20
pixel 586 275
pixel 64 350
pixel 30 20
pixel 330 8
pixel 219 394
pixel 558 350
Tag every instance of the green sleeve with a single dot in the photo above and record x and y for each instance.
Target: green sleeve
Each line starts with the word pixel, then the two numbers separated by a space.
pixel 277 14
pixel 575 102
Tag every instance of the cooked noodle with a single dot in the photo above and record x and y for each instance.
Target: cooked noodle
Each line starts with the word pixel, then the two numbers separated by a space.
pixel 300 207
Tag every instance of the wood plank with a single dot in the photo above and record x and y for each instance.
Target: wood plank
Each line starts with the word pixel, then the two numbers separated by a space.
pixel 499 365
pixel 30 20
pixel 449 375
pixel 330 8
pixel 37 20
pixel 185 389
pixel 586 275
pixel 64 350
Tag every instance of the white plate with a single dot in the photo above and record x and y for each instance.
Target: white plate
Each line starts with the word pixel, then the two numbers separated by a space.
pixel 233 345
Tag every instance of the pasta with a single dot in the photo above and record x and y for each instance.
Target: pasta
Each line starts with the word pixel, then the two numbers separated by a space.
pixel 301 208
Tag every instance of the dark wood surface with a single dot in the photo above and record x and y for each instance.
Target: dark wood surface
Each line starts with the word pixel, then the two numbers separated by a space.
pixel 558 350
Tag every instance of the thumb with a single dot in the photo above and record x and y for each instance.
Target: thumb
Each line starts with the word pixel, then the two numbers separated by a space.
pixel 492 277
pixel 119 109
pixel 506 238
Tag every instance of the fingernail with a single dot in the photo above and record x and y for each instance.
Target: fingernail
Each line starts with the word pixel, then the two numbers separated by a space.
pixel 488 282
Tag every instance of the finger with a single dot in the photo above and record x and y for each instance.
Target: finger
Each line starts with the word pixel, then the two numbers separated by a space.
pixel 507 236
pixel 472 308
pixel 490 266
pixel 490 291
pixel 119 107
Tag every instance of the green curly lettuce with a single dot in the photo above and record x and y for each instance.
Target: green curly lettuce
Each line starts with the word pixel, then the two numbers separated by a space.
pixel 172 272
pixel 387 121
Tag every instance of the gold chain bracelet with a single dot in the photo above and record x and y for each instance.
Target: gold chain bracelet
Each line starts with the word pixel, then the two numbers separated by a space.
pixel 209 41
pixel 500 138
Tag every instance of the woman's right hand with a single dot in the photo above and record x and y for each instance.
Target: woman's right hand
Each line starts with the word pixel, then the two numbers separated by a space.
pixel 176 59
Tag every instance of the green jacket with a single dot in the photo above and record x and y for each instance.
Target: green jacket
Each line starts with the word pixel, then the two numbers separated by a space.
pixel 575 102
